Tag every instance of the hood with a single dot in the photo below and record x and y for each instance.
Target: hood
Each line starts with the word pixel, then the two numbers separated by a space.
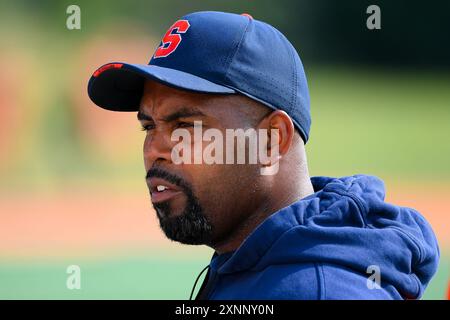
pixel 345 222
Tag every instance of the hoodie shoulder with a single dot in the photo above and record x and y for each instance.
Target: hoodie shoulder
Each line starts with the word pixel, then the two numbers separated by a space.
pixel 305 281
pixel 276 282
pixel 316 246
pixel 341 283
pixel 319 281
pixel 289 282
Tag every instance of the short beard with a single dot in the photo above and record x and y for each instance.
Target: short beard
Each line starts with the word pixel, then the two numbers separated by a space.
pixel 191 226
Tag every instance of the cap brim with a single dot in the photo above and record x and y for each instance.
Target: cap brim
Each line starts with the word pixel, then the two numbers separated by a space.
pixel 119 86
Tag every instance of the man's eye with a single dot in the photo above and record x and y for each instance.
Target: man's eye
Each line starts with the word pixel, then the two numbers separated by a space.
pixel 148 127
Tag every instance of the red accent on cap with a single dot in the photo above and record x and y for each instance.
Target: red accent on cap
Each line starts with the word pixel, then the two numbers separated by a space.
pixel 107 67
pixel 247 15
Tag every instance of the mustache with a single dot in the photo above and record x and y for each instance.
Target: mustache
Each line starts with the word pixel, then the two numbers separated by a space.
pixel 157 172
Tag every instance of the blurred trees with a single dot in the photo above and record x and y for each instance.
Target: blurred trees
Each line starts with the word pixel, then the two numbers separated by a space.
pixel 413 33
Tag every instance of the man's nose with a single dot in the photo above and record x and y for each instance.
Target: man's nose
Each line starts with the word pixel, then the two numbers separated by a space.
pixel 158 147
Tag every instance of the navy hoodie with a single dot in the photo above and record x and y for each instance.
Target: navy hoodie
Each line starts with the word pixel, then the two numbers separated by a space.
pixel 337 243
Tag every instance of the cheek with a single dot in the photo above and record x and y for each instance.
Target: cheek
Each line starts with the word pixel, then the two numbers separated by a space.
pixel 149 150
pixel 215 187
pixel 208 184
pixel 145 151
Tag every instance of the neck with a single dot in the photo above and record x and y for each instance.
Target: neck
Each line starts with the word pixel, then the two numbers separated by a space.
pixel 291 184
pixel 302 188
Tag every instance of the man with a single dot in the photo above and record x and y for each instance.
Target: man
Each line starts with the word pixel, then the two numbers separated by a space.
pixel 277 234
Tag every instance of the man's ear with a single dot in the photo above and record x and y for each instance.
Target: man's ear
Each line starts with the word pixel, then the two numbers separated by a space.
pixel 283 127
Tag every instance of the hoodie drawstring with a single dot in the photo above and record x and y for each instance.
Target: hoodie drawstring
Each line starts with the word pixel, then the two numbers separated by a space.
pixel 196 280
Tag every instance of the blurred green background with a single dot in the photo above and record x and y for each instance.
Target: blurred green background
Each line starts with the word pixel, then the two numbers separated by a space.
pixel 72 188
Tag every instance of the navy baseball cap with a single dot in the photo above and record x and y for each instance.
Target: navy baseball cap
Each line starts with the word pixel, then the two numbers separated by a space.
pixel 219 53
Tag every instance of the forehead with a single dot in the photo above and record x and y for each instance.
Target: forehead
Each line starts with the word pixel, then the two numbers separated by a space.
pixel 156 94
pixel 160 100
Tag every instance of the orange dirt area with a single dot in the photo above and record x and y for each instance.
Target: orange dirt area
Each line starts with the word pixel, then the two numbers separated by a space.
pixel 80 223
pixel 94 222
pixel 432 201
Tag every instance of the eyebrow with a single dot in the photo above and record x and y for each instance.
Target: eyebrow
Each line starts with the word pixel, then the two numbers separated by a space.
pixel 184 112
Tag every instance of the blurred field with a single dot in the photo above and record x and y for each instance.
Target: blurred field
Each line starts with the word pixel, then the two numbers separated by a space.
pixel 116 241
pixel 72 185
pixel 92 209
pixel 143 276
pixel 42 230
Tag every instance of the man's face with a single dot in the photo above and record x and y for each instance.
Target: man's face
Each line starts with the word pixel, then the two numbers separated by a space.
pixel 199 203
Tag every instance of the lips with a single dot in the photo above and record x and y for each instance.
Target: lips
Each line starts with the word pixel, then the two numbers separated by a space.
pixel 161 190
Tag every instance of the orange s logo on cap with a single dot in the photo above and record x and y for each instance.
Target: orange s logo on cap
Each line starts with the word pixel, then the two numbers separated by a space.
pixel 170 41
